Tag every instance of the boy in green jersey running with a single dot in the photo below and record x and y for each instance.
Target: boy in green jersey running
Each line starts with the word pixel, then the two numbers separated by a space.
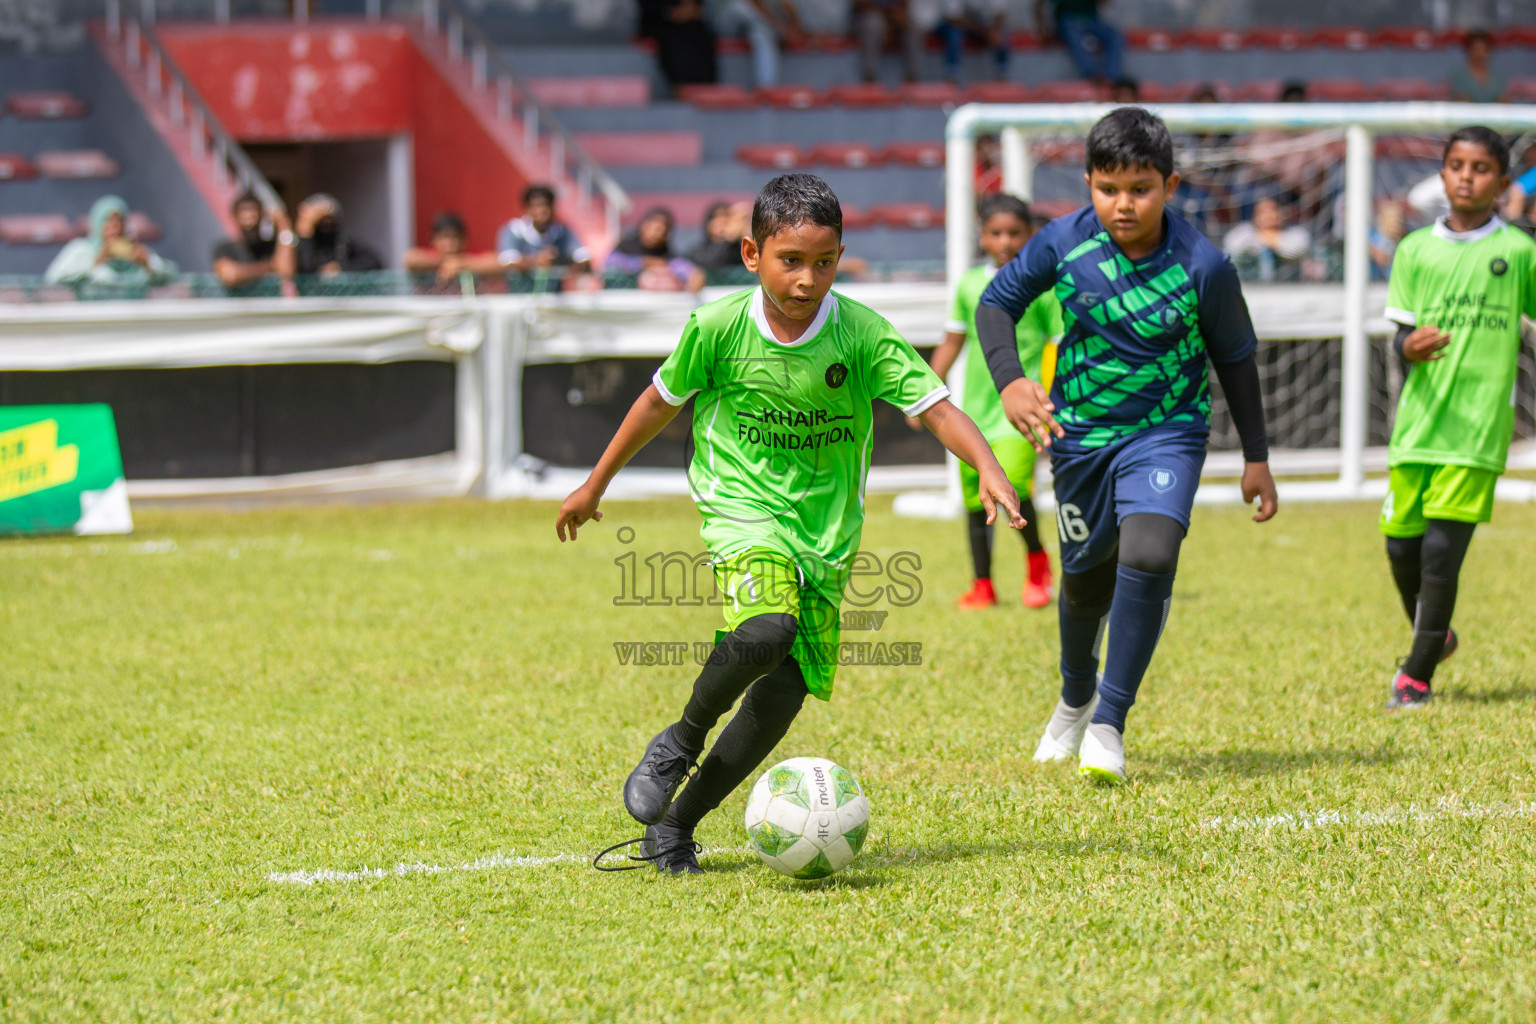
pixel 783 379
pixel 1457 291
pixel 1005 227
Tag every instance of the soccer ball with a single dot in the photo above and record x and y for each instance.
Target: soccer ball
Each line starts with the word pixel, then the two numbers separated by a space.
pixel 807 817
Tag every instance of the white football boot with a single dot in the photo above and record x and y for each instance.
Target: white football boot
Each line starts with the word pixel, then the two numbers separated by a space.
pixel 1103 755
pixel 1064 732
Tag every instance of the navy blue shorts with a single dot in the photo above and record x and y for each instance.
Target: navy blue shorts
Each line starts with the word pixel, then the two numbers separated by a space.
pixel 1156 471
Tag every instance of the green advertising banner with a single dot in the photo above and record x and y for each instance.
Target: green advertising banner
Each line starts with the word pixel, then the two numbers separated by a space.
pixel 61 471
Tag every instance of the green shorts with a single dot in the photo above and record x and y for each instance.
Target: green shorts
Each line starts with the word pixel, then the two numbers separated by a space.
pixel 761 581
pixel 1018 460
pixel 1417 492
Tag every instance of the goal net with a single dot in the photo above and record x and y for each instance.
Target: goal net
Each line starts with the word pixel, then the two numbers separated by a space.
pixel 1310 201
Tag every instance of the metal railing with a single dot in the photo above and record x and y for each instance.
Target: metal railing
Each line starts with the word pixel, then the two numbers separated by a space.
pixel 146 56
pixel 515 103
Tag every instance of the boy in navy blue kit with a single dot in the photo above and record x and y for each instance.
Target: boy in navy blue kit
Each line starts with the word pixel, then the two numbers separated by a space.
pixel 1146 300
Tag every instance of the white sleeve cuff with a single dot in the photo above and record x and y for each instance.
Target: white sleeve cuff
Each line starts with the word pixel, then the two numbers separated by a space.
pixel 666 392
pixel 1402 316
pixel 927 402
pixel 957 326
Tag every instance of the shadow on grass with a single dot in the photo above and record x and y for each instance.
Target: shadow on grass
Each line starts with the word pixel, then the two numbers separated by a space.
pixel 1247 762
pixel 941 853
pixel 1516 693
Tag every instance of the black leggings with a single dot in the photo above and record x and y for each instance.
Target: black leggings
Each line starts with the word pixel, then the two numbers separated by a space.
pixel 1148 541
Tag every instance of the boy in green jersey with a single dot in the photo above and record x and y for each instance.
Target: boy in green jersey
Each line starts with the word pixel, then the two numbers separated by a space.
pixel 1457 291
pixel 783 379
pixel 1005 227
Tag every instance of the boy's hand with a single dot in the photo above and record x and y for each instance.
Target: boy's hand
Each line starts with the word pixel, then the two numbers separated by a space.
pixel 578 508
pixel 1258 483
pixel 994 490
pixel 1029 409
pixel 1424 344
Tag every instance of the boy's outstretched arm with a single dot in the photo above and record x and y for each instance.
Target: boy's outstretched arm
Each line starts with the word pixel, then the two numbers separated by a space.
pixel 958 433
pixel 645 420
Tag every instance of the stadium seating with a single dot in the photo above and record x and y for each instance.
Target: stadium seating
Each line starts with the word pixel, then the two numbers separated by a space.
pixel 687 208
pixel 863 94
pixel 907 215
pixel 38 229
pixel 997 92
pixel 592 91
pixel 915 154
pixel 717 97
pixel 77 163
pixel 771 156
pixel 15 167
pixel 45 105
pixel 792 97
pixel 1522 90
pixel 931 94
pixel 644 149
pixel 853 155
pixel 1339 90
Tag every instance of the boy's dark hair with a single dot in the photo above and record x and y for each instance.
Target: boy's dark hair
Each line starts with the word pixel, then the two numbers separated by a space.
pixel 245 197
pixel 1130 137
pixel 1477 35
pixel 543 192
pixel 1489 139
pixel 793 199
pixel 450 222
pixel 1001 202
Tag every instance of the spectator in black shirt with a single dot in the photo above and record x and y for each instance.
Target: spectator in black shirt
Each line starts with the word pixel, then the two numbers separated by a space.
pixel 265 245
pixel 325 248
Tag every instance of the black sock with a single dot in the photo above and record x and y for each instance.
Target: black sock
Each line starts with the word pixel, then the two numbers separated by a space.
pixel 751 651
pixel 760 723
pixel 1084 604
pixel 1031 531
pixel 1445 546
pixel 981 544
pixel 1403 555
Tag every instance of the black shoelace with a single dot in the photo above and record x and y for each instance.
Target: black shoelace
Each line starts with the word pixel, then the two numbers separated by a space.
pixel 661 852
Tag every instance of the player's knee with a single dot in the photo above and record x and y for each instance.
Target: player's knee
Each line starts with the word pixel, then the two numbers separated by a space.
pixel 766 638
pixel 1092 589
pixel 1150 542
pixel 1444 545
pixel 1403 549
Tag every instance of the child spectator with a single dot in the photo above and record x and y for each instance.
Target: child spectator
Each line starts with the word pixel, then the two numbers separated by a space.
pixel 719 254
pixel 264 247
pixel 107 256
pixel 536 246
pixel 1478 81
pixel 646 255
pixel 325 248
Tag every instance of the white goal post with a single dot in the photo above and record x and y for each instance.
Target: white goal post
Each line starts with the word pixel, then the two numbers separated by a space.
pixel 1017 125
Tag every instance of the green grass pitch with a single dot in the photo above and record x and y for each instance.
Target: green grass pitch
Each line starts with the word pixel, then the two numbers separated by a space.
pixel 228 696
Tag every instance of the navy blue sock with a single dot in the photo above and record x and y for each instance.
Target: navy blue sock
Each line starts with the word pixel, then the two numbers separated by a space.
pixel 1085 600
pixel 1136 621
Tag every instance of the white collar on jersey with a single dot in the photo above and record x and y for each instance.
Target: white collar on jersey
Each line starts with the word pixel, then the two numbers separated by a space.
pixel 1442 230
pixel 827 311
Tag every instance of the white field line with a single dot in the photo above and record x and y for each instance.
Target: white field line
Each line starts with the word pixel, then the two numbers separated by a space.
pixel 493 862
pixel 1440 810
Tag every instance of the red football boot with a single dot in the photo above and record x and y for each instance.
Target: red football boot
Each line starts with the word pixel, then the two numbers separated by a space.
pixel 981 595
pixel 1037 589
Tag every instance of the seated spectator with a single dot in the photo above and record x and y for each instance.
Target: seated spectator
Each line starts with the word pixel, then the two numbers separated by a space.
pixel 1478 81
pixel 264 248
pixel 685 44
pixel 880 24
pixel 538 247
pixel 1294 91
pixel 1266 244
pixel 325 248
pixel 107 256
pixel 646 255
pixel 767 26
pixel 448 255
pixel 1384 236
pixel 983 21
pixel 720 251
pixel 1074 22
pixel 1518 205
pixel 1125 91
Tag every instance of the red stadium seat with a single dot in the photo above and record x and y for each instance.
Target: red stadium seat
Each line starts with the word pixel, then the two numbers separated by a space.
pixel 1343 37
pixel 1184 92
pixel 1209 39
pixel 855 155
pixel 931 94
pixel 1404 89
pixel 862 94
pixel 998 92
pixel 644 149
pixel 45 105
pixel 825 42
pixel 1274 39
pixel 592 91
pixel 915 154
pixel 687 208
pixel 1415 37
pixel 77 163
pixel 907 215
pixel 855 217
pixel 1076 91
pixel 717 97
pixel 1154 39
pixel 38 229
pixel 1022 40
pixel 1339 90
pixel 1257 90
pixel 1522 90
pixel 15 167
pixel 1154 92
pixel 772 156
pixel 1516 35
pixel 1072 152
pixel 1407 147
pixel 791 97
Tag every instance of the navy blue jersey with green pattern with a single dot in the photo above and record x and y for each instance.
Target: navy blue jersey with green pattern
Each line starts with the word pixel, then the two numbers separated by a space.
pixel 1137 335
